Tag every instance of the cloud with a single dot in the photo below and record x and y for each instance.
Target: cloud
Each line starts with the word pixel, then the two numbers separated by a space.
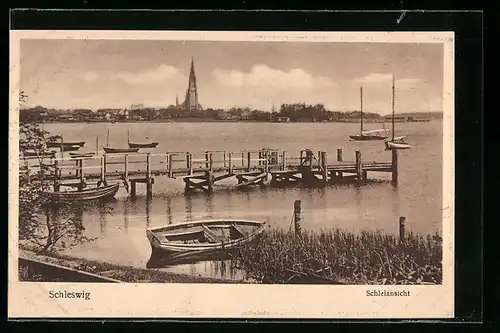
pixel 264 76
pixel 91 76
pixel 159 74
pixel 373 78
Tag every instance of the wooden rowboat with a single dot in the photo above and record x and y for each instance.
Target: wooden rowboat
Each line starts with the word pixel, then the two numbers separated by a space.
pixel 109 150
pixel 56 144
pixel 143 145
pixel 80 155
pixel 84 195
pixel 193 239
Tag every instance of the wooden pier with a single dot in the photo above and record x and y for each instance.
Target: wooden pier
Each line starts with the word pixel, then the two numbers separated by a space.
pixel 200 171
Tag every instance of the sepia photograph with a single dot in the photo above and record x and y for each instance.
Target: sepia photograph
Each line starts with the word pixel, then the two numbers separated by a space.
pixel 220 164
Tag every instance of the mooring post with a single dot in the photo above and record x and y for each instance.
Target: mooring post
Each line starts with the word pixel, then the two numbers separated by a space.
pixel 339 155
pixel 260 157
pixel 210 181
pixel 249 156
pixel 190 163
pixel 324 166
pixel 402 221
pixel 149 182
pixel 187 161
pixel 170 163
pixel 394 166
pixel 56 176
pixel 206 159
pixel 133 191
pixel 358 165
pixel 77 168
pixel 225 162
pixel 283 161
pixel 296 213
pixel 103 168
pixel 126 166
pixel 82 179
pixel 210 161
pixel 230 163
pixel 242 158
pixel 266 167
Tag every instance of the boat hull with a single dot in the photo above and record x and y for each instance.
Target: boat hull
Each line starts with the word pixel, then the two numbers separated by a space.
pixel 367 137
pixel 80 155
pixel 65 144
pixel 188 241
pixel 84 195
pixel 32 154
pixel 120 150
pixel 389 145
pixel 143 145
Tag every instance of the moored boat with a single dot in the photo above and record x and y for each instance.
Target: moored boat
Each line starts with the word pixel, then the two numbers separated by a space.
pixel 143 145
pixel 96 193
pixel 396 142
pixel 372 135
pixel 34 154
pixel 192 239
pixel 80 155
pixel 56 144
pixel 110 150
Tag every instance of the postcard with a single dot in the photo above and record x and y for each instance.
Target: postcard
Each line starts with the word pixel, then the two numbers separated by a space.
pixel 231 174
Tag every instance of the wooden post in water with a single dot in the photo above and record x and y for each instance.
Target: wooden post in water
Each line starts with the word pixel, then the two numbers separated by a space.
pixel 207 162
pixel 56 176
pixel 225 162
pixel 170 163
pixel 324 167
pixel 249 156
pixel 126 166
pixel 358 165
pixel 283 161
pixel 230 163
pixel 190 163
pixel 210 181
pixel 266 167
pixel 104 168
pixel 187 161
pixel 402 221
pixel 339 154
pixel 149 182
pixel 82 180
pixel 394 166
pixel 97 145
pixel 296 214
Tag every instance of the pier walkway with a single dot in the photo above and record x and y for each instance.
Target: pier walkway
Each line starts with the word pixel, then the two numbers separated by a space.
pixel 202 170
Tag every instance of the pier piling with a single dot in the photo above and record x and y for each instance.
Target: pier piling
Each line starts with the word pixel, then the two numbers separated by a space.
pixel 296 214
pixel 394 166
pixel 339 154
pixel 324 167
pixel 402 221
pixel 359 169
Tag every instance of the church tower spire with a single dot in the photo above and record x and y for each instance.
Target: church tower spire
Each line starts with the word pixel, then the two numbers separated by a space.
pixel 177 100
pixel 191 100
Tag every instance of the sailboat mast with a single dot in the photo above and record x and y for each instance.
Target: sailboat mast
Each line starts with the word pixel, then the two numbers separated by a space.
pixel 107 139
pixel 361 97
pixel 128 135
pixel 393 98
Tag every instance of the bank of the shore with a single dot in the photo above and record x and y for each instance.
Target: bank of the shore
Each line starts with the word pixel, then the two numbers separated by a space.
pixel 126 274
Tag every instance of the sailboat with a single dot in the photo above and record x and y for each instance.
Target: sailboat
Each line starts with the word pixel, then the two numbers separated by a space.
pixel 110 150
pixel 140 145
pixel 397 142
pixel 371 135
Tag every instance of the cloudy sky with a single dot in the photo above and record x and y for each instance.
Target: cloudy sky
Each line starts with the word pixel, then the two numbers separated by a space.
pixel 117 73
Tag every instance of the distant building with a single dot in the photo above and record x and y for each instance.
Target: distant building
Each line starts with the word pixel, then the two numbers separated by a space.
pixel 282 119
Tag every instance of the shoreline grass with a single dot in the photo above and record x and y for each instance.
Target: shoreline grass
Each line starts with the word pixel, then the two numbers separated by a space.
pixel 364 258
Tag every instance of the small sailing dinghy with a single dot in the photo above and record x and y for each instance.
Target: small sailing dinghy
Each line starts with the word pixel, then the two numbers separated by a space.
pixel 142 144
pixel 65 144
pixel 96 193
pixel 35 154
pixel 376 134
pixel 191 239
pixel 81 155
pixel 110 150
pixel 397 142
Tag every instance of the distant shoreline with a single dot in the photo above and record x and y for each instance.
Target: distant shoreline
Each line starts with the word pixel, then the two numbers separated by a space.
pixel 200 120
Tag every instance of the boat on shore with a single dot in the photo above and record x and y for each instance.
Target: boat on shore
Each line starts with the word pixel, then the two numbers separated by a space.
pixel 371 135
pixel 204 237
pixel 90 194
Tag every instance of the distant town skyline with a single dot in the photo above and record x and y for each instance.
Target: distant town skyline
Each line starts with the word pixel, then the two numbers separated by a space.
pixel 69 74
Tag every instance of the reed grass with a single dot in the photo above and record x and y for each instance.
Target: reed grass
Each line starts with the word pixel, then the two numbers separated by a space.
pixel 364 258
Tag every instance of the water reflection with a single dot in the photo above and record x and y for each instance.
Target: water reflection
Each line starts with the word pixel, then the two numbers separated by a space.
pixel 148 208
pixel 168 214
pixel 125 216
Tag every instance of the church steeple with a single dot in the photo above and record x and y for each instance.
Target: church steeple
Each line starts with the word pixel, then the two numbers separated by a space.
pixel 191 100
pixel 177 100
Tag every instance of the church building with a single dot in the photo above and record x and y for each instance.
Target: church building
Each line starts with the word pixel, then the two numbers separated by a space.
pixel 191 101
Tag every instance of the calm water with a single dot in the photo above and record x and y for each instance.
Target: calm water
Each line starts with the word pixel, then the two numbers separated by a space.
pixel 121 235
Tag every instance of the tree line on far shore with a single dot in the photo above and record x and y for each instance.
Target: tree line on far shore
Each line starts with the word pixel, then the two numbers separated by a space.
pixel 294 112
